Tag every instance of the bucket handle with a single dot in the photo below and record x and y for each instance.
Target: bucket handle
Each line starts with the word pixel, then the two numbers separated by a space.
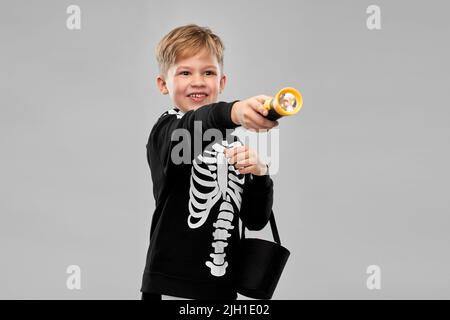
pixel 273 226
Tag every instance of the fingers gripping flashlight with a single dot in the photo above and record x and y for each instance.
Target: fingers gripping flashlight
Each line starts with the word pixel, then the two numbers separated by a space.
pixel 287 102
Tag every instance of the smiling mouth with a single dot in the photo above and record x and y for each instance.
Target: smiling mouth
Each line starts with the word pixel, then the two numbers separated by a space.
pixel 197 96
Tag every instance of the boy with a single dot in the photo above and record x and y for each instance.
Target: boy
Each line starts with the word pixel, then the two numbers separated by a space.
pixel 195 226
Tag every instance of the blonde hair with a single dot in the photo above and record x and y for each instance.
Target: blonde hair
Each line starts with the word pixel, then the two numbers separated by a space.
pixel 187 41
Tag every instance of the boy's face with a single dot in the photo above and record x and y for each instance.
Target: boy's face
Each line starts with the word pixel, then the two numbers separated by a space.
pixel 193 82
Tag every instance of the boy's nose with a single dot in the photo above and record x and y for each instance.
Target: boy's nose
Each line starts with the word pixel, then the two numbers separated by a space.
pixel 198 81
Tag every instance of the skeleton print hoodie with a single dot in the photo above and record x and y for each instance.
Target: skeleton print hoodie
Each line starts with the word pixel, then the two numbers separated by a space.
pixel 195 226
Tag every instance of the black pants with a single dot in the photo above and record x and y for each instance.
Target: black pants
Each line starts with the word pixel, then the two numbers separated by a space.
pixel 150 296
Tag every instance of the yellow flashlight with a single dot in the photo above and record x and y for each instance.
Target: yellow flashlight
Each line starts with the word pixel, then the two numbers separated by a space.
pixel 287 102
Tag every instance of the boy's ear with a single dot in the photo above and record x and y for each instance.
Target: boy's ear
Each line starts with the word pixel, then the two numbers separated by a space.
pixel 162 85
pixel 223 82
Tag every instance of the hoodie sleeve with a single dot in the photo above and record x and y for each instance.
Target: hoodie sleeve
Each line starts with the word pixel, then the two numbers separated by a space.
pixel 257 201
pixel 181 135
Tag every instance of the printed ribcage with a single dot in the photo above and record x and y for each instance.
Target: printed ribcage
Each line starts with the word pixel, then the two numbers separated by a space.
pixel 214 180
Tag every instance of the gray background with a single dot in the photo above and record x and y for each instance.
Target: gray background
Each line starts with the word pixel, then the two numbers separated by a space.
pixel 364 174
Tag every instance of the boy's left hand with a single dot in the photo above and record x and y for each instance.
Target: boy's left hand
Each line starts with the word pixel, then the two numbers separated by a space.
pixel 246 160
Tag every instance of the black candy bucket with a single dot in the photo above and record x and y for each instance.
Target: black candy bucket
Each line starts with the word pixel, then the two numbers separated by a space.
pixel 260 264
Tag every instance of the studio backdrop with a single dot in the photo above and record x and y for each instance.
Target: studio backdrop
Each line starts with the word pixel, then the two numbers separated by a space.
pixel 361 179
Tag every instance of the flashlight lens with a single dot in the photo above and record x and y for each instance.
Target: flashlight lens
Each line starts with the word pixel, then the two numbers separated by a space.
pixel 288 101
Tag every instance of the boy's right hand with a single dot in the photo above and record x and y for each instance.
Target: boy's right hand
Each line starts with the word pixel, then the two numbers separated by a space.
pixel 250 114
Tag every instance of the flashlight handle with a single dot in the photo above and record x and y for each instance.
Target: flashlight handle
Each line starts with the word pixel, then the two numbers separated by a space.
pixel 271 114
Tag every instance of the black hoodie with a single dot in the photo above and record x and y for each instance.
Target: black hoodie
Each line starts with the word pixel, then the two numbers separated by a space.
pixel 195 226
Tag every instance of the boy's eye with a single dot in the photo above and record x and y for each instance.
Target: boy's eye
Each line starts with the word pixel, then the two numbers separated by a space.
pixel 186 73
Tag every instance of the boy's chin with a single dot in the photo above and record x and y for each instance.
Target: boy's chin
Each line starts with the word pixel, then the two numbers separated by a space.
pixel 196 106
pixel 188 108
